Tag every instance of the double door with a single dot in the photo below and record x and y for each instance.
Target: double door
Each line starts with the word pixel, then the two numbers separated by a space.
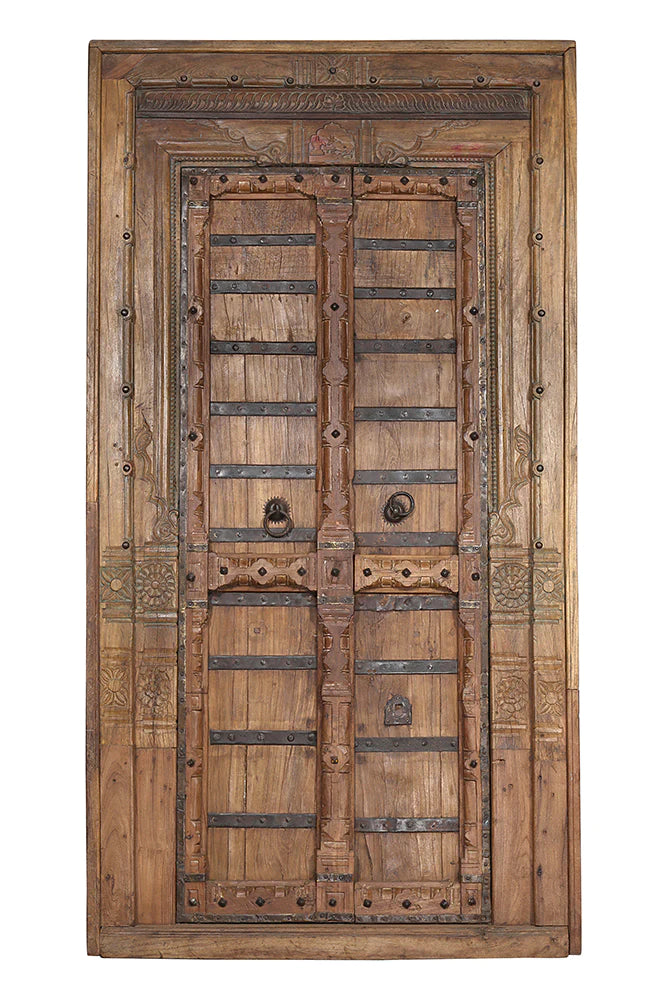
pixel 333 704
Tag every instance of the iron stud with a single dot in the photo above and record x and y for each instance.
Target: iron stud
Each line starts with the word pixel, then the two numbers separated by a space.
pixel 474 310
pixel 406 904
pixel 372 79
pixel 298 178
pixel 125 544
pixel 224 570
pixel 190 762
pixel 234 78
pixel 540 468
pixel 367 572
pixel 444 903
pixel 223 178
pixel 193 901
pixel 443 181
pixel 474 436
pixel 301 901
pixel 193 435
pixel 332 902
pixel 222 902
pixel 290 80
pixel 335 178
pixel 367 903
pixel 259 901
pixel 475 576
pixel 335 571
pixel 539 545
pixel 367 179
pixel 262 178
pixel 405 572
pixel 190 577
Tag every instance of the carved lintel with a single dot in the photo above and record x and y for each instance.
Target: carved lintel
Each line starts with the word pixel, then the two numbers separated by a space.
pixel 208 102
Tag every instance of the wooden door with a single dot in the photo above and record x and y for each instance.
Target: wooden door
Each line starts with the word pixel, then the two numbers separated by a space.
pixel 334 763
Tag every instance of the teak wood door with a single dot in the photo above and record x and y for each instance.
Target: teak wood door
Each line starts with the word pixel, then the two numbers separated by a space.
pixel 334 751
pixel 332 705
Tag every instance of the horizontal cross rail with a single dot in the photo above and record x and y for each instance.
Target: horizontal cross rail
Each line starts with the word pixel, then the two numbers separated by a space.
pixel 219 287
pixel 418 413
pixel 403 539
pixel 264 409
pixel 404 293
pixel 263 347
pixel 262 663
pixel 406 744
pixel 264 239
pixel 366 476
pixel 258 737
pixel 276 599
pixel 406 666
pixel 399 602
pixel 262 472
pixel 396 824
pixel 259 535
pixel 396 346
pixel 376 244
pixel 269 821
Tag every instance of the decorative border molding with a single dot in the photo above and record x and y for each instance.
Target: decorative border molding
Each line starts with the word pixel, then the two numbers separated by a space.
pixel 200 102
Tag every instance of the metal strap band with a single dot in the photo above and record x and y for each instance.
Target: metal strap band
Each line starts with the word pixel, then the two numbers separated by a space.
pixel 263 239
pixel 262 472
pixel 405 666
pixel 398 602
pixel 280 599
pixel 407 744
pixel 263 347
pixel 404 539
pixel 404 293
pixel 264 409
pixel 395 346
pixel 394 824
pixel 269 821
pixel 262 663
pixel 403 413
pixel 251 737
pixel 366 476
pixel 259 535
pixel 263 287
pixel 372 244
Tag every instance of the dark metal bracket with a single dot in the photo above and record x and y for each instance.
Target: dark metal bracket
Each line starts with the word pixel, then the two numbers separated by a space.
pixel 395 346
pixel 372 476
pixel 263 347
pixel 406 666
pixel 264 409
pixel 259 535
pixel 263 287
pixel 374 244
pixel 268 821
pixel 262 472
pixel 262 663
pixel 265 239
pixel 399 602
pixel 404 293
pixel 391 824
pixel 406 744
pixel 405 539
pixel 279 599
pixel 254 737
pixel 419 413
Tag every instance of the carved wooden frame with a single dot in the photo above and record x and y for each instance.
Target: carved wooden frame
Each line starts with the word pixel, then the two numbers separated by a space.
pixel 506 107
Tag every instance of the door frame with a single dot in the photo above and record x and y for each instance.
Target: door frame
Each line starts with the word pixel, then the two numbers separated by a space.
pixel 131 464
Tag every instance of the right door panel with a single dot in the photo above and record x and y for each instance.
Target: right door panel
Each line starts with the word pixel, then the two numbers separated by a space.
pixel 420 694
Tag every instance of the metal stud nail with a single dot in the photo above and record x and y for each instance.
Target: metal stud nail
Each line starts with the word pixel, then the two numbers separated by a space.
pixel 444 903
pixel 193 435
pixel 471 900
pixel 367 179
pixel 540 468
pixel 224 571
pixel 259 901
pixel 443 181
pixel 298 178
pixel 332 70
pixel 127 468
pixel 190 762
pixel 222 902
pixel 127 235
pixel 193 181
pixel 126 388
pixel 367 572
pixel 335 434
pixel 193 901
pixel 539 389
pixel 541 313
pixel 183 78
pixel 125 544
pixel 223 178
pixel 539 236
pixel 474 436
pixel 262 178
pixel 335 178
pixel 539 545
pixel 290 80
pixel 335 307
pixel 474 310
pixel 234 78
pixel 475 576
pixel 473 182
pixel 406 904
pixel 405 180
pixel 335 571
pixel 190 577
pixel 372 79
pixel 368 903
pixel 473 763
pixel 444 573
pixel 125 312
pixel 405 572
pixel 332 902
pixel 536 83
pixel 480 79
pixel 301 901
pixel 262 571
pixel 539 159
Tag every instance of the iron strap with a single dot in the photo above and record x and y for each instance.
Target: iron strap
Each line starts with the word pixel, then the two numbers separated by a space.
pixel 395 346
pixel 262 472
pixel 264 239
pixel 403 413
pixel 373 244
pixel 279 599
pixel 263 287
pixel 403 539
pixel 399 602
pixel 406 744
pixel 406 666
pixel 262 663
pixel 263 347
pixel 259 535
pixel 395 824
pixel 264 410
pixel 270 821
pixel 366 476
pixel 404 293
pixel 253 737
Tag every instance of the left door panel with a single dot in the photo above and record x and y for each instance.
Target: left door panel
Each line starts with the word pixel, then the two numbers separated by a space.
pixel 249 705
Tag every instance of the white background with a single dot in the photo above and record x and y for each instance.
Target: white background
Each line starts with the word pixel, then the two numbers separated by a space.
pixel 622 455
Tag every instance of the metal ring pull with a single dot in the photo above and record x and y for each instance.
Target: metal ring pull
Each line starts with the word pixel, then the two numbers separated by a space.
pixel 277 520
pixel 396 509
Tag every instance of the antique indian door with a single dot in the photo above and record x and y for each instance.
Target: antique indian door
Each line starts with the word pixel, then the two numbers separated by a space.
pixel 334 761
pixel 332 650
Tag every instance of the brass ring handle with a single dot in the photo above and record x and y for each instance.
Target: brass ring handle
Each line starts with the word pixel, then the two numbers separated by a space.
pixel 277 520
pixel 395 509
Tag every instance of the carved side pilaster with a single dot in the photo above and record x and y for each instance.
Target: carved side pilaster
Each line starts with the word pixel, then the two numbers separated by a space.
pixel 335 851
pixel 195 591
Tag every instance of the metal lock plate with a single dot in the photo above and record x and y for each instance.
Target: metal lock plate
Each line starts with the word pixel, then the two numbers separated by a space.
pixel 398 711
